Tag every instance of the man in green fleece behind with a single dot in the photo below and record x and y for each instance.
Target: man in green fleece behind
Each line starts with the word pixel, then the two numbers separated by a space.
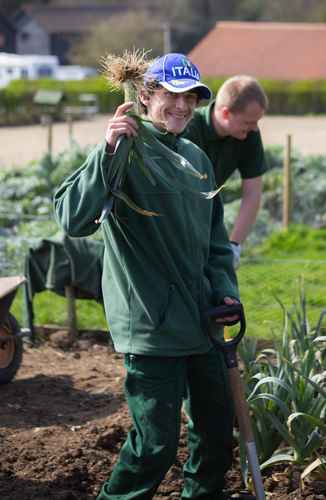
pixel 160 274
pixel 227 131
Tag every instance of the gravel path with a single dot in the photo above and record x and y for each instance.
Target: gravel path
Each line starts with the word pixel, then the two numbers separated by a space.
pixel 20 145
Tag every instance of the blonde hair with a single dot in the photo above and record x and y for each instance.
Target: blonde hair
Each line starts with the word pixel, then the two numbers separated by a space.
pixel 237 92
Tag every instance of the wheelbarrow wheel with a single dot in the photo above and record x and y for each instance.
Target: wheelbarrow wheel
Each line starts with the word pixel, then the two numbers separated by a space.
pixel 11 352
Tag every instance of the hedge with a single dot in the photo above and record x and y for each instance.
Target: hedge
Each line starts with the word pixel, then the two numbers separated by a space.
pixel 285 98
pixel 16 100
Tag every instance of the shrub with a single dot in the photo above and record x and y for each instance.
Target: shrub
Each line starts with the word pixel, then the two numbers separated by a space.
pixel 16 100
pixel 287 98
pixel 308 195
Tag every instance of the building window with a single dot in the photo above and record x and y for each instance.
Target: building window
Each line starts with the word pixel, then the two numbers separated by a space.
pixel 10 71
pixel 63 37
pixel 24 73
pixel 2 39
pixel 44 71
pixel 25 36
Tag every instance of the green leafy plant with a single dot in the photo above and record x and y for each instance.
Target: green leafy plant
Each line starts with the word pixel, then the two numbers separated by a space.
pixel 308 198
pixel 292 408
pixel 285 394
pixel 26 203
pixel 247 350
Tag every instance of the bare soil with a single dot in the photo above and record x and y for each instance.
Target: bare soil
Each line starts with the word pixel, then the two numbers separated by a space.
pixel 23 144
pixel 64 418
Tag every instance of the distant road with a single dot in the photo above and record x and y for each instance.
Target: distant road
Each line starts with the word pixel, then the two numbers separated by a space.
pixel 20 145
pixel 308 133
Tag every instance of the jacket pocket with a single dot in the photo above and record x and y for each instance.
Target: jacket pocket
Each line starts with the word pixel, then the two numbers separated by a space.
pixel 165 307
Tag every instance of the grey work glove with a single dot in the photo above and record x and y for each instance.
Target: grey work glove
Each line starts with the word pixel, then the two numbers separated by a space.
pixel 236 247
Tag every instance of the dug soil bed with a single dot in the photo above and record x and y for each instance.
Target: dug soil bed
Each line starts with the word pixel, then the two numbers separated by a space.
pixel 64 418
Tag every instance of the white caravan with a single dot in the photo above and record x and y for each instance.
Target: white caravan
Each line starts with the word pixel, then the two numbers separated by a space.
pixel 14 66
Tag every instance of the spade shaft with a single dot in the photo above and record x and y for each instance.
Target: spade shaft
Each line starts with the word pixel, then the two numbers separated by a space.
pixel 229 351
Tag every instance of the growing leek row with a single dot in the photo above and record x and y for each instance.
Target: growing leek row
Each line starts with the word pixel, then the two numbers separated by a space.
pixel 129 72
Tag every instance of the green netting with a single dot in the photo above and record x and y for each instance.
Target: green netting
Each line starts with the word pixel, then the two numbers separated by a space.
pixel 258 278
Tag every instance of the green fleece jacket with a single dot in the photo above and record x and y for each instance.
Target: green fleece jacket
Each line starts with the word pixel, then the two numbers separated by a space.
pixel 159 273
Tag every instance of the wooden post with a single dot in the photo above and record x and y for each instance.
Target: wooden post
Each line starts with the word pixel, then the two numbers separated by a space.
pixel 49 120
pixel 69 120
pixel 287 184
pixel 71 309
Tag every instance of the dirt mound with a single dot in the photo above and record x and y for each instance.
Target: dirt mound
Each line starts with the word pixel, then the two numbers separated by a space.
pixel 64 419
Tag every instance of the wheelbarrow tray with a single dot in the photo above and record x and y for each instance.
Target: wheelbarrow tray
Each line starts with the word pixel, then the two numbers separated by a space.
pixel 8 285
pixel 8 289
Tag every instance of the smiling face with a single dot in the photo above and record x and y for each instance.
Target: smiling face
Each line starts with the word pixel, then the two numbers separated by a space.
pixel 238 125
pixel 175 109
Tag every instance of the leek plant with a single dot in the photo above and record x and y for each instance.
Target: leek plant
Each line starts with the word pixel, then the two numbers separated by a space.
pixel 247 351
pixel 289 406
pixel 285 393
pixel 129 72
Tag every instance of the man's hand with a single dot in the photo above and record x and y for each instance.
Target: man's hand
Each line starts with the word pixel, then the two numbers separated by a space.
pixel 229 301
pixel 118 125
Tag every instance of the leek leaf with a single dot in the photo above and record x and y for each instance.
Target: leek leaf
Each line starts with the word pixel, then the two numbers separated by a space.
pixel 131 204
pixel 127 146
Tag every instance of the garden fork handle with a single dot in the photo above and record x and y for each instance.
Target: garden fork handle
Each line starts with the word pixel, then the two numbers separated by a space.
pixel 228 349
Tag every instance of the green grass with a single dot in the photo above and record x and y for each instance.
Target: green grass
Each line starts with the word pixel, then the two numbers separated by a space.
pixel 281 262
pixel 297 242
pixel 272 267
pixel 259 280
pixel 50 308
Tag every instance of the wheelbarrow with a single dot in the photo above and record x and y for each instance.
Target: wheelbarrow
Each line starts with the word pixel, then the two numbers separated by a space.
pixel 11 335
pixel 229 351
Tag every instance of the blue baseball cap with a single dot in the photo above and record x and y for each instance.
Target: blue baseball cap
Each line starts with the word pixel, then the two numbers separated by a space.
pixel 177 73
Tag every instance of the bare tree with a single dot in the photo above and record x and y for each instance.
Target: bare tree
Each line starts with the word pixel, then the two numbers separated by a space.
pixel 192 19
pixel 121 32
pixel 9 6
pixel 279 10
pixel 322 15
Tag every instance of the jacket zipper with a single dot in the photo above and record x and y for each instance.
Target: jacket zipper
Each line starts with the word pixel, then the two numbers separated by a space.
pixel 189 233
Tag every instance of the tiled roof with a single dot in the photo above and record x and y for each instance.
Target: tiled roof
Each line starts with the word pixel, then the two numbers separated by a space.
pixel 280 51
pixel 73 18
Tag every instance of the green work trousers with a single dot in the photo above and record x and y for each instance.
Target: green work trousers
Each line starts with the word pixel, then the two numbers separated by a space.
pixel 155 388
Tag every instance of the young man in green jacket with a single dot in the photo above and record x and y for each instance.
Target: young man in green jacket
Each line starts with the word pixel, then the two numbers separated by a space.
pixel 227 131
pixel 160 274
